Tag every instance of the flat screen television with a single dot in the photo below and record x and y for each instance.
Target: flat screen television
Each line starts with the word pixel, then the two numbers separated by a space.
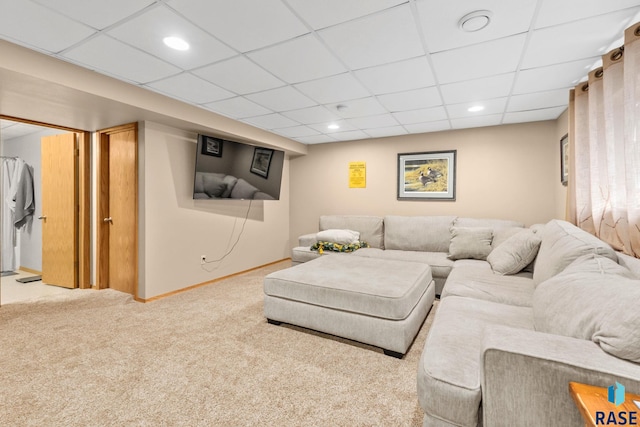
pixel 236 170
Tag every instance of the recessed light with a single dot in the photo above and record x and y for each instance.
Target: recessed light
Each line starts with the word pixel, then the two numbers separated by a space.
pixel 475 108
pixel 176 43
pixel 475 21
pixel 333 126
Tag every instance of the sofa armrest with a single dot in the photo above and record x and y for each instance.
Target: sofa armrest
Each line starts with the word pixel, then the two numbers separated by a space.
pixel 307 239
pixel 525 376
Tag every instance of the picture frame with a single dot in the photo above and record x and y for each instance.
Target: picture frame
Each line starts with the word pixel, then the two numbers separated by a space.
pixel 427 176
pixel 261 161
pixel 564 160
pixel 211 146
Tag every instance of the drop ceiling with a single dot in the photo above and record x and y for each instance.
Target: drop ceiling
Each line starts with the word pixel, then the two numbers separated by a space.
pixel 394 66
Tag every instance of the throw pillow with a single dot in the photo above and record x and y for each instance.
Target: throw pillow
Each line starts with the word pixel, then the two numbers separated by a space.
pixel 470 243
pixel 243 190
pixel 213 185
pixel 342 237
pixel 588 301
pixel 515 253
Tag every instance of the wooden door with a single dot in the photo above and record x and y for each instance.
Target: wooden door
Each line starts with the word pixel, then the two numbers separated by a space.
pixel 59 210
pixel 118 209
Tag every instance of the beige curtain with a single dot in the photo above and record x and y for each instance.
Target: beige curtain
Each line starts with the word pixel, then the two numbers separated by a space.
pixel 604 146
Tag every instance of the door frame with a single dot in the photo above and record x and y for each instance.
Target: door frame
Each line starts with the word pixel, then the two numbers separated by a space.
pixel 102 209
pixel 83 268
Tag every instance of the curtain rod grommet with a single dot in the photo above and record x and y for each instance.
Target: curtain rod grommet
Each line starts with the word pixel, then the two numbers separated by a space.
pixel 637 31
pixel 617 54
pixel 585 87
pixel 599 73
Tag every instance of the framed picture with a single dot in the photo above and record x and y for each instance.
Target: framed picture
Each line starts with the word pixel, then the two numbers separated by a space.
pixel 427 176
pixel 211 146
pixel 261 161
pixel 564 160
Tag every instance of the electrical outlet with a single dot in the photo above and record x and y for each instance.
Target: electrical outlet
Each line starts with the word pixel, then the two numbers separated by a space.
pixel 203 259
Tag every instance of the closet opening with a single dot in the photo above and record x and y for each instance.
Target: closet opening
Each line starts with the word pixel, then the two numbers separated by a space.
pixel 45 209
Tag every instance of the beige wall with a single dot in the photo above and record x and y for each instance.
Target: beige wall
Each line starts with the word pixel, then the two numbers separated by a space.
pixel 509 171
pixel 176 230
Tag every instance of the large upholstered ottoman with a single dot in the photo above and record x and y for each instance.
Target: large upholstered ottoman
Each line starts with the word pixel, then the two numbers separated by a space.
pixel 374 301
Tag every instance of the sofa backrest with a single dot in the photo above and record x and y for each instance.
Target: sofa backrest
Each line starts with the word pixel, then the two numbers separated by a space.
pixel 418 233
pixel 487 223
pixel 563 243
pixel 371 228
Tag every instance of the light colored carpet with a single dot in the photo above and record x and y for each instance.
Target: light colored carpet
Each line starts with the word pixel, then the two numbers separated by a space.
pixel 206 357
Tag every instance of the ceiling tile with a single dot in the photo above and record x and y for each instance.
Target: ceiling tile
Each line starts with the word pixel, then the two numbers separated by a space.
pixel 384 132
pixel 411 100
pixel 350 136
pixel 440 22
pixel 534 115
pixel 12 130
pixel 239 75
pixel 361 107
pixel 301 59
pixel 190 88
pixel 342 127
pixel 270 121
pixel 371 122
pixel 342 87
pixel 238 108
pixel 361 43
pixel 573 41
pixel 538 100
pixel 312 115
pixel 482 60
pixel 317 139
pixel 478 90
pixel 147 31
pixel 118 59
pixel 428 127
pixel 492 106
pixel 321 14
pixel 281 99
pixel 421 116
pixel 98 14
pixel 35 26
pixel 553 77
pixel 297 131
pixel 245 25
pixel 404 75
pixel 476 122
pixel 553 12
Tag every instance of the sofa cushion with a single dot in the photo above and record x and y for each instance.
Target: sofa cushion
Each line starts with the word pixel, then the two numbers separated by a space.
pixel 483 284
pixel 231 181
pixel 370 227
pixel 592 299
pixel 417 233
pixel 440 265
pixel 494 224
pixel 500 235
pixel 563 243
pixel 340 236
pixel 470 242
pixel 515 253
pixel 449 370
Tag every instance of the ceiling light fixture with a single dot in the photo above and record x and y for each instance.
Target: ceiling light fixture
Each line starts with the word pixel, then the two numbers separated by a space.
pixel 333 126
pixel 475 21
pixel 475 108
pixel 176 43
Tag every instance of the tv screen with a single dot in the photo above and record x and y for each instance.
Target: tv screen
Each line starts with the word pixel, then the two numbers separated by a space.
pixel 235 170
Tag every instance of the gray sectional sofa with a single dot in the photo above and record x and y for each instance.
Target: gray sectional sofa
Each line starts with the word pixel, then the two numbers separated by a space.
pixel 523 311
